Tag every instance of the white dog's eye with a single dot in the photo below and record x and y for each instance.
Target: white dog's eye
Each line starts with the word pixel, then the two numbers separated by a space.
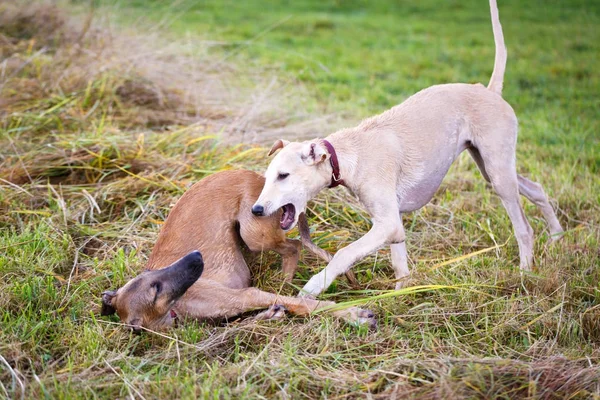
pixel 282 176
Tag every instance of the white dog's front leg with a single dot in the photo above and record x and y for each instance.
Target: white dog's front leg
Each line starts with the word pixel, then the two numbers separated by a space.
pixel 379 235
pixel 400 263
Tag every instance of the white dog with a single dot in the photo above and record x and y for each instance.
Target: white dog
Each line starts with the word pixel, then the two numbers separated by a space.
pixel 395 162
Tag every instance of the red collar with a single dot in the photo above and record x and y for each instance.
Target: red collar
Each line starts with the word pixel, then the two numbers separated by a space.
pixel 173 313
pixel 336 177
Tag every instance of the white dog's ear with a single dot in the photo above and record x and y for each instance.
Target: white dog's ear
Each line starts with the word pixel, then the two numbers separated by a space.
pixel 314 153
pixel 279 144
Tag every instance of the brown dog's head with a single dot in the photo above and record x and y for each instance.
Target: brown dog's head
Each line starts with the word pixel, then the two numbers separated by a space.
pixel 147 300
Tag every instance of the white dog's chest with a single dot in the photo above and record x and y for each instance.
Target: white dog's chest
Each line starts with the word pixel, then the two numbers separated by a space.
pixel 416 193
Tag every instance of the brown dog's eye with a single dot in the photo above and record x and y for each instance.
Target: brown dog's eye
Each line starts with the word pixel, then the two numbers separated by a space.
pixel 282 176
pixel 158 287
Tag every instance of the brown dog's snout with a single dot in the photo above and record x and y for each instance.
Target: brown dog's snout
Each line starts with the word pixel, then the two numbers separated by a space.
pixel 258 210
pixel 184 272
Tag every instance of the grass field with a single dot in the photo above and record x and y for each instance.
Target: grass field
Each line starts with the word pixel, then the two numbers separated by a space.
pixel 108 116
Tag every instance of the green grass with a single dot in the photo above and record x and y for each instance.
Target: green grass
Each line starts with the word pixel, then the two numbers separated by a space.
pixel 362 57
pixel 96 148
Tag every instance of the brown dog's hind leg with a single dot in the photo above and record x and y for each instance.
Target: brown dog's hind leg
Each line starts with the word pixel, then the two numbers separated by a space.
pixel 264 234
pixel 290 252
pixel 307 242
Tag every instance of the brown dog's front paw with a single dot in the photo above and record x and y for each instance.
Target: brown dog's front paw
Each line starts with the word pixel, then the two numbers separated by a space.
pixel 276 311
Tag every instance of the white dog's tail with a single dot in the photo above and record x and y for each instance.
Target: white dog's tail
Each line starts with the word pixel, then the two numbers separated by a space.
pixel 497 78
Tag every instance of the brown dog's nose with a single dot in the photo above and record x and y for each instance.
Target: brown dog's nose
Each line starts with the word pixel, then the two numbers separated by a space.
pixel 258 210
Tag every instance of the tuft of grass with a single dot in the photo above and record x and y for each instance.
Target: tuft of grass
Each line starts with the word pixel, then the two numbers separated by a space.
pixel 103 126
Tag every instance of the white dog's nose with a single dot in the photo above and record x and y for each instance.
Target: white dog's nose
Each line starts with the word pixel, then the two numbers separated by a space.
pixel 258 210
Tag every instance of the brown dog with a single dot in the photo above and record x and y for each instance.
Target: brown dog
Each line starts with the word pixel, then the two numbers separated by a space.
pixel 214 217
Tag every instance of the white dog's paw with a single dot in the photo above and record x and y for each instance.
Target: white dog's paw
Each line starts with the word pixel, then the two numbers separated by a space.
pixel 556 236
pixel 358 316
pixel 313 287
pixel 276 311
pixel 401 284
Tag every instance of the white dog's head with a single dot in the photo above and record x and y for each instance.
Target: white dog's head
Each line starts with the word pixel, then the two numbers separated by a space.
pixel 296 174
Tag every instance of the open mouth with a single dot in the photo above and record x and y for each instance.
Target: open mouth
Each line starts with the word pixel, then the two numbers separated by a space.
pixel 288 217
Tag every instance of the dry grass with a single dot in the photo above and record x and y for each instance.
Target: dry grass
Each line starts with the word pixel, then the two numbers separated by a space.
pixel 102 131
pixel 138 79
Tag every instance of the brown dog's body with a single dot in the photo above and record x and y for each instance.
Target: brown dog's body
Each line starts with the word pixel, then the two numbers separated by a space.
pixel 214 217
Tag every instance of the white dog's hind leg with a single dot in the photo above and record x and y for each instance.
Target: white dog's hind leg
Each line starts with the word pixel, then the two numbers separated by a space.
pixel 381 233
pixel 535 193
pixel 521 226
pixel 400 263
pixel 502 173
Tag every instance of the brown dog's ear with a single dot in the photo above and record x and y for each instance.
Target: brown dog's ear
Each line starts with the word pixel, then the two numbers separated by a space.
pixel 107 302
pixel 314 153
pixel 279 144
